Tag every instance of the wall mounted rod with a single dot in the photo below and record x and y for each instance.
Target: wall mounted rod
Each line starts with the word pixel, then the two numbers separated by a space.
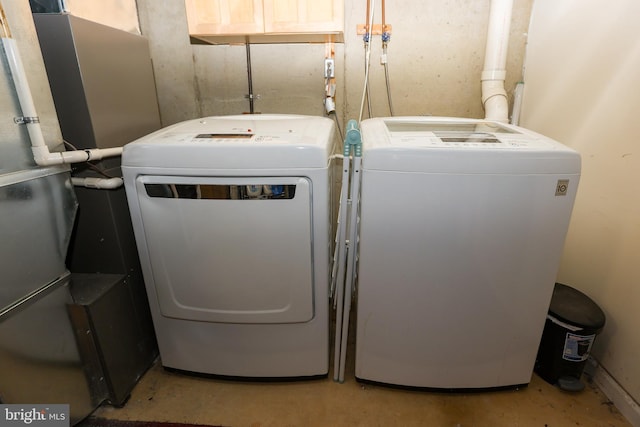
pixel 249 78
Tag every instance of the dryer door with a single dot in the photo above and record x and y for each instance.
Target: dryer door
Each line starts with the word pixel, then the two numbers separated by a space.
pixel 236 250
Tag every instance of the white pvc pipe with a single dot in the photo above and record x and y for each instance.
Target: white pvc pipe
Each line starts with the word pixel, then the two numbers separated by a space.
pixel 30 119
pixel 494 96
pixel 23 91
pixel 89 154
pixel 517 103
pixel 100 183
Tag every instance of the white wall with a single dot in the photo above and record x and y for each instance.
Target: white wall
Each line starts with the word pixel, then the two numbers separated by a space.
pixel 435 55
pixel 583 88
pixel 119 14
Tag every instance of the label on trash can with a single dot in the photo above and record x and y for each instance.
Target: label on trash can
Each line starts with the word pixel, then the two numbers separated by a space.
pixel 577 347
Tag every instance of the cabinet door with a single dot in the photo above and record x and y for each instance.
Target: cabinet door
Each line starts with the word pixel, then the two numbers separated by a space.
pixel 220 17
pixel 303 16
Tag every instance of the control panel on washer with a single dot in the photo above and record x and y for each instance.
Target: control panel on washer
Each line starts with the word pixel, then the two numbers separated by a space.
pixel 468 134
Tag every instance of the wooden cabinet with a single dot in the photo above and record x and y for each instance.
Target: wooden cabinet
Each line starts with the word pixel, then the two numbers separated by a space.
pixel 303 16
pixel 265 21
pixel 224 17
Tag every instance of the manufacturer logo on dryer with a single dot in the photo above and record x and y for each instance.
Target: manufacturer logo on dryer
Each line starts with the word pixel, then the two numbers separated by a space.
pixel 561 187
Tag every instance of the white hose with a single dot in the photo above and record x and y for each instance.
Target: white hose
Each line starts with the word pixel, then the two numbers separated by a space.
pixel 385 63
pixel 99 183
pixel 367 56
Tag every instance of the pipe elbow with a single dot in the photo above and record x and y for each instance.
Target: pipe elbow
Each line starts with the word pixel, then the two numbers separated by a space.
pixel 497 109
pixel 98 183
pixel 495 101
pixel 43 157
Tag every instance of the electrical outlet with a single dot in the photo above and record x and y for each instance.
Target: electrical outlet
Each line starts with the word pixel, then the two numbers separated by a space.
pixel 329 68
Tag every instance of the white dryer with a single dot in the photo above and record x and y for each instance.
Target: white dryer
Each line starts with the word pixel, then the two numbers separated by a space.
pixel 462 228
pixel 231 218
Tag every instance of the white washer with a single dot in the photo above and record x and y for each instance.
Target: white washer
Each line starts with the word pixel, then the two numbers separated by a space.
pixel 462 228
pixel 231 218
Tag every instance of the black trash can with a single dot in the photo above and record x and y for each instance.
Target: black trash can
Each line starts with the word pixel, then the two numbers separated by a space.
pixel 572 324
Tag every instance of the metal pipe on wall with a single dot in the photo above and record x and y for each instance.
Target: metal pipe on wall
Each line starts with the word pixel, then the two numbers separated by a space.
pixel 366 27
pixel 249 77
pixel 5 32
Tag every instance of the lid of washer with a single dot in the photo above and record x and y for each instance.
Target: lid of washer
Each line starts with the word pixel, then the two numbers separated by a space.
pixel 264 141
pixel 447 144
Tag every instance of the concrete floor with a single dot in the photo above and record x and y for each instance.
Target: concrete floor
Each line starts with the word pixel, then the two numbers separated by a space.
pixel 163 395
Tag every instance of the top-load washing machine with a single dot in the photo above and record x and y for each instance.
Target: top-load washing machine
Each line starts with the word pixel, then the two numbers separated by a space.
pixel 231 218
pixel 462 228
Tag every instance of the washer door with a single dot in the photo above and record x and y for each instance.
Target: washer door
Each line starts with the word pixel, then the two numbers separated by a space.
pixel 235 250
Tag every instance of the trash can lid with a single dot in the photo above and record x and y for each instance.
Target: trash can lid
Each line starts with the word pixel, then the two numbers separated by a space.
pixel 573 307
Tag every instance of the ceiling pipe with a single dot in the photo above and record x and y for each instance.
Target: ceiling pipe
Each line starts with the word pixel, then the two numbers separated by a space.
pixel 494 96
